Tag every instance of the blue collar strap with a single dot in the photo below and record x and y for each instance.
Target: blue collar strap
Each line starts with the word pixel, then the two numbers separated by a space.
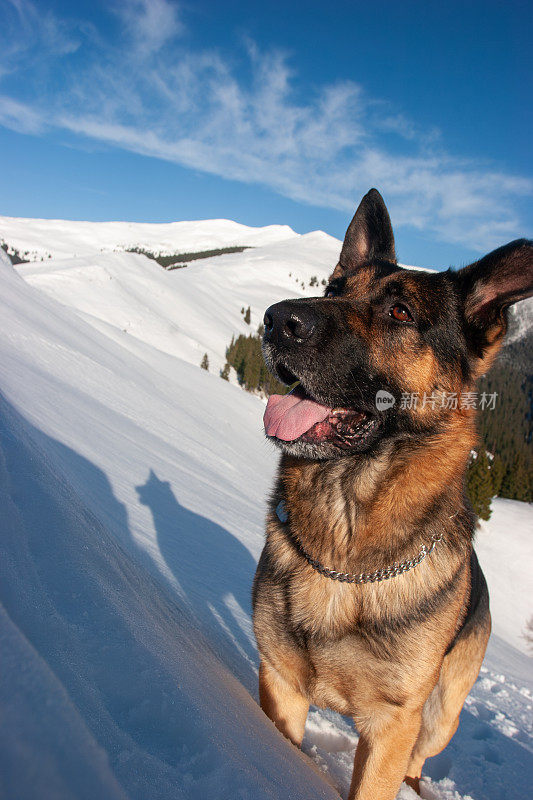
pixel 281 512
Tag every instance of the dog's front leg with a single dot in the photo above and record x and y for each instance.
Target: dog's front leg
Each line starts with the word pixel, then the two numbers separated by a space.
pixel 286 707
pixel 382 756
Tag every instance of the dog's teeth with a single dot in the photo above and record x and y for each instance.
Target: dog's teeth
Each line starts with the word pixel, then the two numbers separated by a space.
pixel 343 429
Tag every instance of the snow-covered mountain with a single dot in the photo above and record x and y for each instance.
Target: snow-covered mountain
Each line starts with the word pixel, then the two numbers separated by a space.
pixel 142 300
pixel 185 312
pixel 132 486
pixel 59 238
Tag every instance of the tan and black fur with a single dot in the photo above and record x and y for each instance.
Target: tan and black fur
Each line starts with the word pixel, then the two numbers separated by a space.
pixel 400 655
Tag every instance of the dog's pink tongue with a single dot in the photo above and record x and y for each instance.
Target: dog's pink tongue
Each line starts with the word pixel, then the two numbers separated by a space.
pixel 288 416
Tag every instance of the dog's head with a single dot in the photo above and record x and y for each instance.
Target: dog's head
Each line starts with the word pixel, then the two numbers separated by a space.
pixel 388 353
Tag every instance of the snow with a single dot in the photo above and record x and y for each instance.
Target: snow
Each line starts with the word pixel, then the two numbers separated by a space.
pixel 59 238
pixel 134 486
pixel 504 545
pixel 121 558
pixel 189 311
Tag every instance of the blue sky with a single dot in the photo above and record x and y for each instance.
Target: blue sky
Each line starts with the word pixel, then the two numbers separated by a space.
pixel 273 112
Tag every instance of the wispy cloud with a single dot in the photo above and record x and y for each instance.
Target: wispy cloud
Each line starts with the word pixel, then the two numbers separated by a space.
pixel 20 117
pixel 152 94
pixel 149 23
pixel 30 34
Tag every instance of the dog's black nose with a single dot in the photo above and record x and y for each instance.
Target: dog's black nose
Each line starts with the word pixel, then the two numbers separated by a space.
pixel 289 322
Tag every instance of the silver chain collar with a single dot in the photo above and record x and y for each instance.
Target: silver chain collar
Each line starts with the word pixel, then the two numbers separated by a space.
pixel 383 574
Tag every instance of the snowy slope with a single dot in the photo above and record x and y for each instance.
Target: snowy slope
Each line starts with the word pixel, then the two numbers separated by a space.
pixel 504 544
pixel 191 311
pixel 134 488
pixel 115 572
pixel 59 238
pixel 186 312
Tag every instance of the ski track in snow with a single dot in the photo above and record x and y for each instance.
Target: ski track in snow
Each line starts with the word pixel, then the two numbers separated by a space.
pixel 133 485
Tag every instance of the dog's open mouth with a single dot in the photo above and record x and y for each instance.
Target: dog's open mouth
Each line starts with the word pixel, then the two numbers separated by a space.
pixel 297 416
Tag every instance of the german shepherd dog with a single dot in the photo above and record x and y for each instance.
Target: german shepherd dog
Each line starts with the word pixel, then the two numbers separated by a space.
pixel 368 596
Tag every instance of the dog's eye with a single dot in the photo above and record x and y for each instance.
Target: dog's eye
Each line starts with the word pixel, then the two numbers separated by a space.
pixel 400 313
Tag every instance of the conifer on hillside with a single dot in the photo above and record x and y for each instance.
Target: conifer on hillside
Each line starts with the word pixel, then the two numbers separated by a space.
pixel 245 356
pixel 479 484
pixel 516 481
pixel 205 362
pixel 252 373
pixel 497 472
pixel 224 372
pixel 522 485
pixel 507 429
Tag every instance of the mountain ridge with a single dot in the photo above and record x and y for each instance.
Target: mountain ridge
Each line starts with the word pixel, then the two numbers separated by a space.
pixel 43 238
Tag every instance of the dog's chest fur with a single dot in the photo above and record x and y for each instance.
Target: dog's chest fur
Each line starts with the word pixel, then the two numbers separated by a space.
pixel 342 645
pixel 349 647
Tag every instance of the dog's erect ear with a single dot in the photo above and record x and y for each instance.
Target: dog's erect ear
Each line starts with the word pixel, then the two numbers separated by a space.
pixel 489 286
pixel 369 235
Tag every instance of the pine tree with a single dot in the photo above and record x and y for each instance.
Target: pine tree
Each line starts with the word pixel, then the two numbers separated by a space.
pixel 205 362
pixel 224 372
pixel 479 484
pixel 238 357
pixel 507 427
pixel 497 472
pixel 521 480
pixel 245 356
pixel 486 485
pixel 252 372
pixel 516 484
pixel 507 485
pixel 248 316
